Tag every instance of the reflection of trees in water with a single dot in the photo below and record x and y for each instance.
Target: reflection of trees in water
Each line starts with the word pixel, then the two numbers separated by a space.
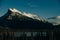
pixel 26 36
pixel 35 36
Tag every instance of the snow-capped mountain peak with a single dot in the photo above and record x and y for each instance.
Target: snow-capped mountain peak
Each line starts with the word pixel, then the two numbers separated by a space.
pixel 33 16
pixel 14 10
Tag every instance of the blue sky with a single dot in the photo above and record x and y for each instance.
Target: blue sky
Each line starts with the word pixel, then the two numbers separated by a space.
pixel 44 8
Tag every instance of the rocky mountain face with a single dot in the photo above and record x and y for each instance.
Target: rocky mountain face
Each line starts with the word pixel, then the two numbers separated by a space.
pixel 20 20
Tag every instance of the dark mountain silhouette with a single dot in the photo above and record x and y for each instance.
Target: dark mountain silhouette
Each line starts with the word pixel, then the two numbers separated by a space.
pixel 15 19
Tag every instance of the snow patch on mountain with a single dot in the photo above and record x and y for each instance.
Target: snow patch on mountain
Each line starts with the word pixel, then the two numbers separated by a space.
pixel 14 10
pixel 31 15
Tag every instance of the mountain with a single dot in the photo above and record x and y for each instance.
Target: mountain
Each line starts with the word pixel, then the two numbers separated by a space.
pixel 12 12
pixel 15 19
pixel 54 20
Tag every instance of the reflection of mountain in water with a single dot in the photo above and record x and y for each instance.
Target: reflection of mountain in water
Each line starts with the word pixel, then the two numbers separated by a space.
pixel 21 20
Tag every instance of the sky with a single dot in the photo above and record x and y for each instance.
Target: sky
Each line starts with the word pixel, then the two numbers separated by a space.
pixel 44 8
